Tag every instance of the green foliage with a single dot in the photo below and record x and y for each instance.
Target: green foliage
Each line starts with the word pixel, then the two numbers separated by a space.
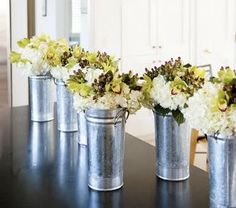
pixel 162 111
pixel 131 80
pixel 178 116
pixel 146 88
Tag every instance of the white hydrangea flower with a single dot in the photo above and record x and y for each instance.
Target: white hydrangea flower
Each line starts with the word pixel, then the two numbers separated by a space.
pixel 81 103
pixel 200 115
pixel 61 73
pixel 92 74
pixel 36 64
pixel 134 102
pixel 161 94
pixel 121 101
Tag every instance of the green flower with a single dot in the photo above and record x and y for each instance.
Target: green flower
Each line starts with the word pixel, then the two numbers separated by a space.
pixel 178 85
pixel 226 75
pixel 23 43
pixel 17 58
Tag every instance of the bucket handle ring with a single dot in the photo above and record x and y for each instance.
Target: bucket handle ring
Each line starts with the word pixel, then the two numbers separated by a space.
pixel 121 113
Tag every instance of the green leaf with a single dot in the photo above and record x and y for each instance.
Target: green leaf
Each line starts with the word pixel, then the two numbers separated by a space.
pixel 162 111
pixel 178 116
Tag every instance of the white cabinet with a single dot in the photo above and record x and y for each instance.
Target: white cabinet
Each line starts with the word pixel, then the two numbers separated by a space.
pixel 214 32
pixel 173 35
pixel 154 31
pixel 105 26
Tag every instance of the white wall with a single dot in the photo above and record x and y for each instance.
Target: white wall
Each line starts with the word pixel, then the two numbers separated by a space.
pixel 19 31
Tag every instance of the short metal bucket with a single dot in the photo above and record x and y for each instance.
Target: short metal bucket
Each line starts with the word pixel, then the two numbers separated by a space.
pixel 40 98
pixel 105 148
pixel 66 114
pixel 172 148
pixel 222 171
pixel 82 128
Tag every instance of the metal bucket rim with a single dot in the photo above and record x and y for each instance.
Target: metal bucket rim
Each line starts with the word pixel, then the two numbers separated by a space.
pixel 222 137
pixel 101 113
pixel 167 115
pixel 40 77
pixel 59 82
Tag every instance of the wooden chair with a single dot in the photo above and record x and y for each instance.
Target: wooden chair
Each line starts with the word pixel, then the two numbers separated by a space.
pixel 193 145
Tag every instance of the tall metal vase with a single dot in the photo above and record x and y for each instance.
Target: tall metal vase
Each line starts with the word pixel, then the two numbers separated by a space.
pixel 222 171
pixel 66 114
pixel 172 148
pixel 82 128
pixel 105 148
pixel 40 98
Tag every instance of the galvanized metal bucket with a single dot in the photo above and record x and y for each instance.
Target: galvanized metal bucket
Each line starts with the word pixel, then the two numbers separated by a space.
pixel 66 114
pixel 40 98
pixel 82 128
pixel 105 148
pixel 222 171
pixel 172 148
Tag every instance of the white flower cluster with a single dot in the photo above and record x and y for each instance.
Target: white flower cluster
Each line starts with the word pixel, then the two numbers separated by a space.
pixel 63 73
pixel 161 93
pixel 36 64
pixel 110 101
pixel 201 116
pixel 92 74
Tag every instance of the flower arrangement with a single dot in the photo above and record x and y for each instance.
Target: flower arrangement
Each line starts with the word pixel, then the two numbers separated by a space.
pixel 30 56
pixel 212 109
pixel 105 89
pixel 167 88
pixel 63 59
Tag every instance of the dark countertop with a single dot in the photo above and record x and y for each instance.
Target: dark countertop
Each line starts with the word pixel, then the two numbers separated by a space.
pixel 41 167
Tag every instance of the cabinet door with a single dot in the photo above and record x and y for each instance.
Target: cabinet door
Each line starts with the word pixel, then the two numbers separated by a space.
pixel 215 33
pixel 105 28
pixel 173 35
pixel 138 33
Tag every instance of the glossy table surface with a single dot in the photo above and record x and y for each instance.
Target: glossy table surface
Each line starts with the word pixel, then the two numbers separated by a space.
pixel 41 167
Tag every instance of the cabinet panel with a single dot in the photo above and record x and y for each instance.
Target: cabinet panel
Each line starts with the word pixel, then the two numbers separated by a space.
pixel 215 31
pixel 106 26
pixel 137 27
pixel 173 35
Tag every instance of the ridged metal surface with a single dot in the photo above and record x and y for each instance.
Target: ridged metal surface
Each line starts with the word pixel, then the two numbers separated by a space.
pixel 82 128
pixel 105 148
pixel 172 148
pixel 222 171
pixel 66 114
pixel 40 98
